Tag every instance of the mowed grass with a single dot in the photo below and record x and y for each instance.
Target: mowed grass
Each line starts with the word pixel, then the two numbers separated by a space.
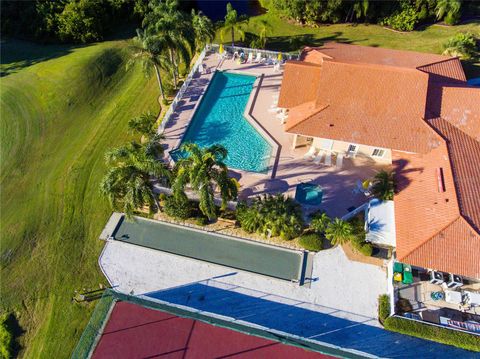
pixel 58 117
pixel 285 35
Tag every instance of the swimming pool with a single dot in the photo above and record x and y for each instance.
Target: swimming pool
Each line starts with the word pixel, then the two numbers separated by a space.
pixel 219 120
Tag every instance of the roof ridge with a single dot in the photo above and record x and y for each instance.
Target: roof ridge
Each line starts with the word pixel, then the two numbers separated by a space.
pixel 437 62
pixel 378 67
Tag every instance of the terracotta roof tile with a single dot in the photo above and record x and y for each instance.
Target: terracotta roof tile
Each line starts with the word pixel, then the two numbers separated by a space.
pixel 366 103
pixel 455 249
pixel 377 55
pixel 299 84
pixel 450 68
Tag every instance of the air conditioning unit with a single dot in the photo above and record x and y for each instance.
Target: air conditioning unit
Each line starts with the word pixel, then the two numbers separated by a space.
pixel 454 281
pixel 436 277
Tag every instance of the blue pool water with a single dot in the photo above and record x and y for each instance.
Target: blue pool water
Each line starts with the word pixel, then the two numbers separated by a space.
pixel 309 193
pixel 219 120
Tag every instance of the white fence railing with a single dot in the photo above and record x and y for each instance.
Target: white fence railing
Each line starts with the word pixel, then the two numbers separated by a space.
pixel 181 92
pixel 265 53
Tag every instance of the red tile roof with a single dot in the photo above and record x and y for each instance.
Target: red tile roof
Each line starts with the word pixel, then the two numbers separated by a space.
pixel 419 106
pixel 297 89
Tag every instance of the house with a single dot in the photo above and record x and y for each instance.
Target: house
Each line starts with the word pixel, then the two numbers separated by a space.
pixel 414 111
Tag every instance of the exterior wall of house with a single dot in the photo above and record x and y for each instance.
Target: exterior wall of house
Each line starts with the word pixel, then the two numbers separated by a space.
pixel 362 151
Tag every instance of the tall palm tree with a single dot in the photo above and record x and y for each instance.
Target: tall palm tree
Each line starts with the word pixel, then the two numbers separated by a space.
pixel 449 10
pixel 149 51
pixel 383 185
pixel 127 184
pixel 339 231
pixel 173 27
pixel 203 28
pixel 203 169
pixel 233 23
pixel 143 124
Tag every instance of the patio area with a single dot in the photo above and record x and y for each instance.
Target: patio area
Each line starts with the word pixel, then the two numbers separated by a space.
pixel 289 168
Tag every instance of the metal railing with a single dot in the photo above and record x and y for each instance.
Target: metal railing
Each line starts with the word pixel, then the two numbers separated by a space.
pixel 265 53
pixel 181 91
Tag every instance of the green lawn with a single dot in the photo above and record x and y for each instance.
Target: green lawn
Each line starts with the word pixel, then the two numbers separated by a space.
pixel 61 109
pixel 286 36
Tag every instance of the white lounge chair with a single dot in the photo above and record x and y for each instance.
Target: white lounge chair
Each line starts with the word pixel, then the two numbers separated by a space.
pixel 282 117
pixel 339 162
pixel 250 58
pixel 318 158
pixel 259 58
pixel 310 153
pixel 328 159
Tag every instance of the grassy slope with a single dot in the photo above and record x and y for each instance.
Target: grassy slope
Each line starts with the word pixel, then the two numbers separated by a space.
pixel 283 35
pixel 58 117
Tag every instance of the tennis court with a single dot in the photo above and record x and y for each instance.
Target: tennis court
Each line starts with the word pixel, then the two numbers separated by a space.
pixel 228 251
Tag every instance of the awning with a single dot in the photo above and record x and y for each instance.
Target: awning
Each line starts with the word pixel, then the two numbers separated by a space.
pixel 380 223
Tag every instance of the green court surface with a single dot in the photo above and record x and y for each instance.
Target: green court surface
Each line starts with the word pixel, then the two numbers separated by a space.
pixel 228 251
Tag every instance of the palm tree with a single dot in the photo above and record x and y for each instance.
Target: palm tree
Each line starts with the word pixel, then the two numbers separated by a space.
pixel 203 169
pixel 166 22
pixel 339 231
pixel 203 28
pixel 143 124
pixel 320 222
pixel 450 9
pixel 383 185
pixel 149 51
pixel 233 23
pixel 127 184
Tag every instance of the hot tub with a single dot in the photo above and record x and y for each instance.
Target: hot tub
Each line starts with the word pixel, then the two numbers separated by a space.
pixel 309 193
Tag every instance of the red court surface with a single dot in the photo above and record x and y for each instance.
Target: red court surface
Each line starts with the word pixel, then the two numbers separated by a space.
pixel 137 332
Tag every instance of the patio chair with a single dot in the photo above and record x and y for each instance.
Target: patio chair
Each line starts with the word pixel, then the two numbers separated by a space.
pixel 328 159
pixel 258 58
pixel 282 117
pixel 339 162
pixel 250 58
pixel 310 153
pixel 318 158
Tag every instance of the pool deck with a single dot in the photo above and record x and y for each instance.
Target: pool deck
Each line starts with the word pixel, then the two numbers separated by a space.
pixel 289 167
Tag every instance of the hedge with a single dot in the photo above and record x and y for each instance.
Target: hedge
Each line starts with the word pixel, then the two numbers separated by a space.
pixel 311 242
pixel 383 307
pixel 430 332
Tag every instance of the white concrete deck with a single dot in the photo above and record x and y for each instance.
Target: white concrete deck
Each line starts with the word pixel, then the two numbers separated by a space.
pixel 339 286
pixel 290 168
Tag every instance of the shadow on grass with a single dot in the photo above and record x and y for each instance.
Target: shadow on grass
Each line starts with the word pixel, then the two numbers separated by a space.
pixel 19 54
pixel 294 43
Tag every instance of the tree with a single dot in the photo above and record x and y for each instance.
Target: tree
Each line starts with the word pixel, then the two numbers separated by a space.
pixel 272 215
pixel 204 169
pixel 143 124
pixel 174 28
pixel 203 28
pixel 339 231
pixel 463 45
pixel 149 51
pixel 127 184
pixel 320 222
pixel 383 185
pixel 233 23
pixel 449 10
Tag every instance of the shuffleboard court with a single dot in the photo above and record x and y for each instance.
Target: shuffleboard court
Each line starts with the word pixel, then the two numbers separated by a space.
pixel 232 252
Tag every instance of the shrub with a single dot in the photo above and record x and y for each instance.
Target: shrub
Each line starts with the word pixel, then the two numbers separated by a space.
pixel 462 45
pixel 383 307
pixel 6 337
pixel 320 222
pixel 201 221
pixel 178 208
pixel 404 20
pixel 277 215
pixel 339 231
pixel 437 334
pixel 366 249
pixel 311 241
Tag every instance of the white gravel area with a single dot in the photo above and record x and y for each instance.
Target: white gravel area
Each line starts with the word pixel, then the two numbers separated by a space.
pixel 340 287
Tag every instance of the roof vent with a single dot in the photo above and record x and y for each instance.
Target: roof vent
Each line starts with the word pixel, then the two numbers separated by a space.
pixel 440 180
pixel 331 125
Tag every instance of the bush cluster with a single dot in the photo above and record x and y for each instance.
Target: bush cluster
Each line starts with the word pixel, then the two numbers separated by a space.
pixel 311 241
pixel 404 20
pixel 358 239
pixel 6 337
pixel 383 307
pixel 177 208
pixel 430 332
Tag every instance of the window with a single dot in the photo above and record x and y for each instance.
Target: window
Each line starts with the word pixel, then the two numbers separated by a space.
pixel 377 152
pixel 352 148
